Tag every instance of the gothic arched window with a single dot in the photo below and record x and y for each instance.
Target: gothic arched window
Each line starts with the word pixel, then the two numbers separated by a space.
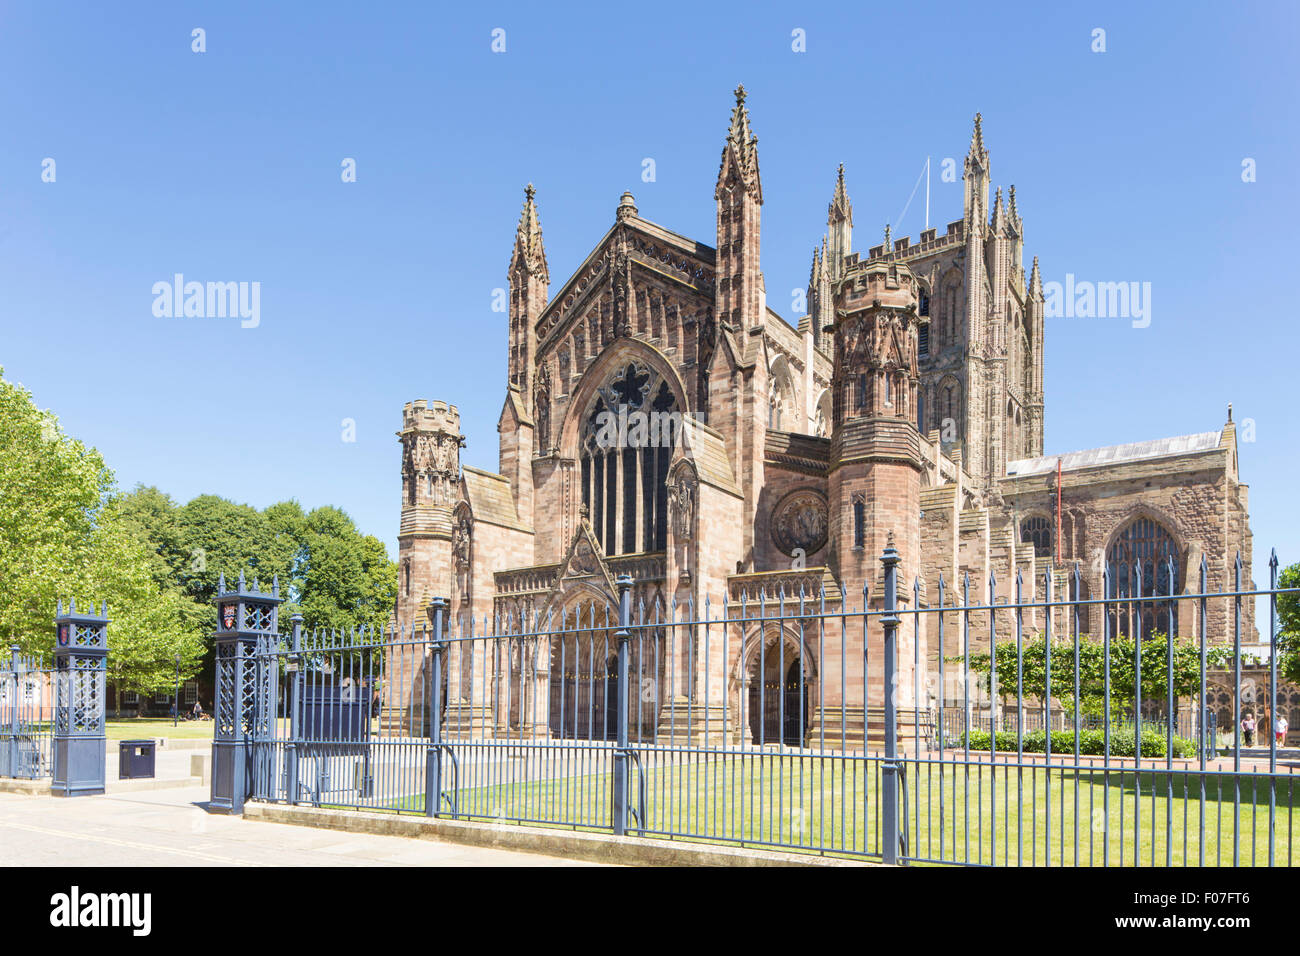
pixel 1139 562
pixel 627 441
pixel 949 321
pixel 1038 532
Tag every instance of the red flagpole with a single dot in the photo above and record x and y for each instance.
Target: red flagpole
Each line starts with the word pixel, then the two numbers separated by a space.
pixel 1058 512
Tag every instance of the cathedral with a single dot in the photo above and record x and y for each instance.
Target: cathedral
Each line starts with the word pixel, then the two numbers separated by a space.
pixel 660 420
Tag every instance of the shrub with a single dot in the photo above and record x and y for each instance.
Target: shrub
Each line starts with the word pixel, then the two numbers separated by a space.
pixel 1091 742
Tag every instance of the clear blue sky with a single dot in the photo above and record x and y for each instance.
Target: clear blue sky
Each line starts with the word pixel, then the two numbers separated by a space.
pixel 225 166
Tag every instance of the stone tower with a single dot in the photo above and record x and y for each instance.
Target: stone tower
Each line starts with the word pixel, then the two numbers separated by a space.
pixel 740 304
pixel 1003 333
pixel 977 437
pixel 431 443
pixel 528 388
pixel 875 468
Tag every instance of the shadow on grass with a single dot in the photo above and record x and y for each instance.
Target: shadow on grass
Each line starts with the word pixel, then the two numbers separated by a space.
pixel 1244 788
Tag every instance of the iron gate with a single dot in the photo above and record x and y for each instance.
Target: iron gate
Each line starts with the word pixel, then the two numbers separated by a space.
pixel 27 702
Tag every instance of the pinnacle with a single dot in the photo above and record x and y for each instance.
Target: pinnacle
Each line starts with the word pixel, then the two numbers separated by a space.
pixel 528 235
pixel 840 207
pixel 740 133
pixel 977 137
pixel 743 145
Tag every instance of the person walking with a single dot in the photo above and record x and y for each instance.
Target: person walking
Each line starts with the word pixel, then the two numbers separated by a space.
pixel 1280 728
pixel 1248 729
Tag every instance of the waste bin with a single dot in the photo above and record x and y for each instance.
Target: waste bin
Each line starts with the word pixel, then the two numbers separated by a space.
pixel 135 759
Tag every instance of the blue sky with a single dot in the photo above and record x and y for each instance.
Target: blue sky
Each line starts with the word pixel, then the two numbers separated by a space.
pixel 225 166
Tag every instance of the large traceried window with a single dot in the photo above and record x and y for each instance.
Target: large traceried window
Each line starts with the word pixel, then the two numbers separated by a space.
pixel 1037 531
pixel 1139 564
pixel 627 443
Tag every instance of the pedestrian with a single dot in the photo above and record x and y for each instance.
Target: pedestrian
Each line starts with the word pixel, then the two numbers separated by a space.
pixel 1280 728
pixel 1248 729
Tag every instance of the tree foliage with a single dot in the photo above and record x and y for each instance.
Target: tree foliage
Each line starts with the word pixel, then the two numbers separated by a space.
pixel 66 531
pixel 1123 670
pixel 1288 621
pixel 51 490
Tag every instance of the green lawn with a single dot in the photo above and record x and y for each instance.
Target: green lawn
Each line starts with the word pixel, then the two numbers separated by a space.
pixel 128 728
pixel 984 814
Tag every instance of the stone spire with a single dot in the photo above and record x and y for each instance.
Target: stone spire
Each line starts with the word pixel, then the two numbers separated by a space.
pixel 740 151
pixel 1013 211
pixel 1035 280
pixel 998 220
pixel 839 227
pixel 840 209
pixel 977 152
pixel 815 276
pixel 530 280
pixel 529 251
pixel 976 179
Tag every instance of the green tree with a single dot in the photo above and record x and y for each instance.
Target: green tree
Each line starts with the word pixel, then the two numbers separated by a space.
pixel 1092 669
pixel 153 518
pixel 65 533
pixel 150 628
pixel 51 489
pixel 340 578
pixel 218 537
pixel 1288 622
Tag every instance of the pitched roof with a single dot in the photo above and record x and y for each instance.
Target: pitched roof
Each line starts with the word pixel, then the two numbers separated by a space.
pixel 1118 454
pixel 490 499
pixel 708 452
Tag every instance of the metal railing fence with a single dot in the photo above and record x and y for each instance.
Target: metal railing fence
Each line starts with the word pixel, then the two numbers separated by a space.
pixel 799 722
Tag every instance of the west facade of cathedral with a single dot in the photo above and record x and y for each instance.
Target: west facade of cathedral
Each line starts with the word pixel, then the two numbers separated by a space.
pixel 660 420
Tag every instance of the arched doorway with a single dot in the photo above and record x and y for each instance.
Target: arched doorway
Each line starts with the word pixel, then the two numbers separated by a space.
pixel 583 688
pixel 780 694
pixel 582 685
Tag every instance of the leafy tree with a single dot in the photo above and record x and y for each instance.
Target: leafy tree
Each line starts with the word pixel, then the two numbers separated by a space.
pixel 51 490
pixel 153 518
pixel 1092 669
pixel 342 578
pixel 150 627
pixel 65 533
pixel 220 537
pixel 336 576
pixel 1288 621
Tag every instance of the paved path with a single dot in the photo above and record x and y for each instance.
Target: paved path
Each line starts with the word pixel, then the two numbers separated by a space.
pixel 170 828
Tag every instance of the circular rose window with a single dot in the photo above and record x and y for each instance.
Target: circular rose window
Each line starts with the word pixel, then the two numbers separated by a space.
pixel 799 522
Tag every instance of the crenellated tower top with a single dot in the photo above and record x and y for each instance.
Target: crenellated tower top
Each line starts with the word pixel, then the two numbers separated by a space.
pixel 426 416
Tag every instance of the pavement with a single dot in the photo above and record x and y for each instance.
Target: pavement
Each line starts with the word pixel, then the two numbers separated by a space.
pixel 172 828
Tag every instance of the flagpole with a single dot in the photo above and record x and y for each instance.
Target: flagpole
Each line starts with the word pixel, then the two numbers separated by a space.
pixel 927 192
